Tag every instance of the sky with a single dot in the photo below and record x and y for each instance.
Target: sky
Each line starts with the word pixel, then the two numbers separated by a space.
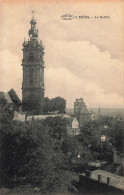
pixel 83 57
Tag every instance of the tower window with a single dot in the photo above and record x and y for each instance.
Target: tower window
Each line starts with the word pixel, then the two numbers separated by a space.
pixel 31 57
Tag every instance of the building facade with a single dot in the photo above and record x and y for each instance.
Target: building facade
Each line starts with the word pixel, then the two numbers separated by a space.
pixel 33 72
pixel 72 126
pixel 81 112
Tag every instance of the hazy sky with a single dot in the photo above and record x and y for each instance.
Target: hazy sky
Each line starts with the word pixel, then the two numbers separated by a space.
pixel 83 57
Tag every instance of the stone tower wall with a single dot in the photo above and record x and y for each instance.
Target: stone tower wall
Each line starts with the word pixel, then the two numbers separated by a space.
pixel 81 112
pixel 33 73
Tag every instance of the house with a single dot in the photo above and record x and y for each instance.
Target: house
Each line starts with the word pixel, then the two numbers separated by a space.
pixel 19 116
pixel 73 127
pixel 103 138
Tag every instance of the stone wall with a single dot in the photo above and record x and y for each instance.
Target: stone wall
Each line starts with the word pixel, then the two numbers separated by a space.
pixel 89 186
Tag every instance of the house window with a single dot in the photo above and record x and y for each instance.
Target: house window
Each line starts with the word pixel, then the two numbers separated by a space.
pixel 31 57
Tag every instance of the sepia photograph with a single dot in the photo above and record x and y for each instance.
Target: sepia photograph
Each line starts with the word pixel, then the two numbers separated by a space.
pixel 61 97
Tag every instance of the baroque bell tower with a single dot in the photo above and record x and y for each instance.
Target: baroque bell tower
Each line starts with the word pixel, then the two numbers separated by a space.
pixel 33 72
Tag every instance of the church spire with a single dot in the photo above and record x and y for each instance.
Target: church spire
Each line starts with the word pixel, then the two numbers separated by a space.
pixel 99 111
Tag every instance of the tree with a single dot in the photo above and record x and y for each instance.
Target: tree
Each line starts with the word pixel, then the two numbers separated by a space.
pixel 57 127
pixel 90 137
pixel 29 156
pixel 46 105
pixel 6 112
pixel 115 133
pixel 59 104
pixel 33 104
pixel 113 128
pixel 14 97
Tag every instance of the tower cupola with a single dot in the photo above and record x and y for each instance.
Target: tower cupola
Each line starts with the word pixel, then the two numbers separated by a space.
pixel 33 32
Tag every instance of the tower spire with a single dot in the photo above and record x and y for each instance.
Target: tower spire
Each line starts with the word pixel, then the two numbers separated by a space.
pixel 32 14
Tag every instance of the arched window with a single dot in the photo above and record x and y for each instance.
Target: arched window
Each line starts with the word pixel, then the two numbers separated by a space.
pixel 31 57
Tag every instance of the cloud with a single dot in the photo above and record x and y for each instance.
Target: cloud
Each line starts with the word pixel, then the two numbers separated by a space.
pixel 83 58
pixel 71 74
pixel 87 62
pixel 61 82
pixel 10 72
pixel 106 34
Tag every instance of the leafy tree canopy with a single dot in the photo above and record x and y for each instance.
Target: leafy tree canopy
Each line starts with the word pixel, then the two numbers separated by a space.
pixel 14 97
pixel 90 137
pixel 29 156
pixel 57 104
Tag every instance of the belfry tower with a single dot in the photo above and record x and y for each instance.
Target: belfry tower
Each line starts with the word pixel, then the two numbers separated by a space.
pixel 33 72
